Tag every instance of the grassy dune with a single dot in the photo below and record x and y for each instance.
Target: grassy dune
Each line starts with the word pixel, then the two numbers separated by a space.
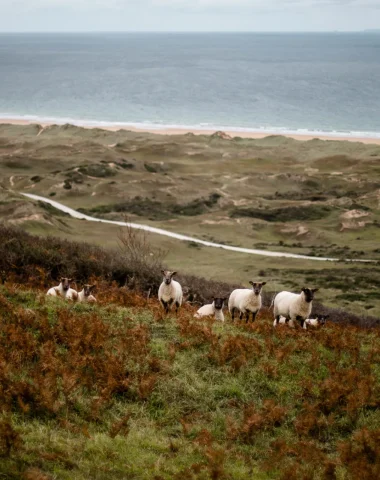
pixel 316 198
pixel 116 390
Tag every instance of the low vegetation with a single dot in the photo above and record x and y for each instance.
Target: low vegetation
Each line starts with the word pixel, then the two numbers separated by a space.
pixel 41 261
pixel 155 210
pixel 285 214
pixel 117 390
pixel 315 198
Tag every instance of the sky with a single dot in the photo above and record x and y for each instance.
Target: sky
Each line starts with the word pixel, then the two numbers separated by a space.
pixel 188 15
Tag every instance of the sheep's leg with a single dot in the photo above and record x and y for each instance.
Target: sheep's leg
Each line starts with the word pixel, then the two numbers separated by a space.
pixel 301 320
pixel 233 313
pixel 165 305
pixel 169 304
pixel 254 316
pixel 277 319
pixel 176 307
pixel 247 316
pixel 241 315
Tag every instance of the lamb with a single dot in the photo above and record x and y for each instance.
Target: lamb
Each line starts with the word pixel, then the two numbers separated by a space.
pixel 246 301
pixel 170 291
pixel 215 308
pixel 294 306
pixel 317 321
pixel 284 321
pixel 85 295
pixel 63 290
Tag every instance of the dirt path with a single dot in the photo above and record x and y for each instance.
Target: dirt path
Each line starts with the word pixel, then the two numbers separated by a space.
pixel 184 238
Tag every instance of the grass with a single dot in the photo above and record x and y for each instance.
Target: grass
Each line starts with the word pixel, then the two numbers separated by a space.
pixel 177 397
pixel 294 194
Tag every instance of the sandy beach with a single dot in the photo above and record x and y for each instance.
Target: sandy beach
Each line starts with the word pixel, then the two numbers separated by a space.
pixel 181 131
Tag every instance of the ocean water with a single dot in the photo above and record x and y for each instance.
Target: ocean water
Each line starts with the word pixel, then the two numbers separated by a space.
pixel 295 83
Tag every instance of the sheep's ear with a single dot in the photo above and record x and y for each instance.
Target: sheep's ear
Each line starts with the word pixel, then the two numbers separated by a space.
pixel 163 272
pixel 70 280
pixel 92 287
pixel 303 289
pixel 251 282
pixel 174 273
pixel 263 283
pixel 315 289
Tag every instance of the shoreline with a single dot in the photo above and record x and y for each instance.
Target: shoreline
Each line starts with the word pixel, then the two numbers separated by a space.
pixel 195 131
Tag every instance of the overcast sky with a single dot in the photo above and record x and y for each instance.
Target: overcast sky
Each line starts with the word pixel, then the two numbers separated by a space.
pixel 188 15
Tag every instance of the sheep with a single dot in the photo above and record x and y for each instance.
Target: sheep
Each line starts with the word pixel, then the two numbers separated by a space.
pixel 170 291
pixel 317 321
pixel 215 308
pixel 284 321
pixel 246 300
pixel 63 290
pixel 294 306
pixel 85 295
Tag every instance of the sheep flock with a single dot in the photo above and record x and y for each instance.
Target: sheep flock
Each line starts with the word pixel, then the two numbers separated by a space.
pixel 291 309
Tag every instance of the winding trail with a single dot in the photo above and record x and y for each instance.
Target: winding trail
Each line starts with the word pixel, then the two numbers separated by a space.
pixel 185 238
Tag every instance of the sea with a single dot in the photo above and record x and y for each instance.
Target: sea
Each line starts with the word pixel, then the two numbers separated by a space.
pixel 301 83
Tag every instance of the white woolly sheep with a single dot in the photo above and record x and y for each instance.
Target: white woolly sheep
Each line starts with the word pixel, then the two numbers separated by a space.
pixel 63 290
pixel 215 308
pixel 85 295
pixel 170 291
pixel 294 306
pixel 246 301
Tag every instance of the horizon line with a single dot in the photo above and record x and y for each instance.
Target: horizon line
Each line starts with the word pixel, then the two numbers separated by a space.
pixel 20 32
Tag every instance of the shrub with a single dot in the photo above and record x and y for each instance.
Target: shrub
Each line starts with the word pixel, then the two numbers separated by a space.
pixel 36 178
pixel 150 168
pixel 154 210
pixel 285 214
pixel 361 454
pixel 97 170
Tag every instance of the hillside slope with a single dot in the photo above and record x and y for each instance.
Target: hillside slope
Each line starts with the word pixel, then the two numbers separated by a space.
pixel 317 198
pixel 116 390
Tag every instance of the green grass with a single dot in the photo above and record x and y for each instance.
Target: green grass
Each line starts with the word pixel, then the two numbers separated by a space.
pixel 228 400
pixel 274 194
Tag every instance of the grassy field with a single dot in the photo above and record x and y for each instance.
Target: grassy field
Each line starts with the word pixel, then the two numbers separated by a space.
pixel 116 390
pixel 318 198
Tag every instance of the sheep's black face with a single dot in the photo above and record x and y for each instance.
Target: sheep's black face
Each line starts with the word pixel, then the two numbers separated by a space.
pixel 218 303
pixel 257 286
pixel 309 294
pixel 88 289
pixel 322 319
pixel 66 283
pixel 168 276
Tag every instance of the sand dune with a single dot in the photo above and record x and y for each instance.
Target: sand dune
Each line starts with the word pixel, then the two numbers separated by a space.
pixel 225 134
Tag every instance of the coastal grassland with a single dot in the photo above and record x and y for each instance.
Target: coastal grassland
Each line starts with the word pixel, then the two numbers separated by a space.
pixel 350 287
pixel 318 198
pixel 117 390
